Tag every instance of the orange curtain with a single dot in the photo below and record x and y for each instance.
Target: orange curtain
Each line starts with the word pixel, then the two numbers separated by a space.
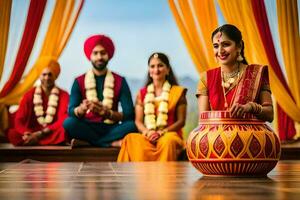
pixel 290 43
pixel 239 13
pixel 61 25
pixel 196 21
pixel 5 10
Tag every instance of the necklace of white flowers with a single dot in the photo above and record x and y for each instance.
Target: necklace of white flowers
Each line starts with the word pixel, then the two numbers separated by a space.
pixel 108 91
pixel 51 107
pixel 153 122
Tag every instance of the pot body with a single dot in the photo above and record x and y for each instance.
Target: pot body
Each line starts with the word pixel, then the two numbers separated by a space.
pixel 222 145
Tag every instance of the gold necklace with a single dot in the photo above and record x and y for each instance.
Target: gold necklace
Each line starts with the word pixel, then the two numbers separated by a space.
pixel 229 78
pixel 224 92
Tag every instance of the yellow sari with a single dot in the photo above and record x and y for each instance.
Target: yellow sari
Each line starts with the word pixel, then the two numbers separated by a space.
pixel 136 147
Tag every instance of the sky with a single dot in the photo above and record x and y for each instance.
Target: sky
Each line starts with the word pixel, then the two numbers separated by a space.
pixel 138 28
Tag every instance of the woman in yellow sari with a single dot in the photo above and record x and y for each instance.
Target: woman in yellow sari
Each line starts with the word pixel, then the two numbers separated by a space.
pixel 160 115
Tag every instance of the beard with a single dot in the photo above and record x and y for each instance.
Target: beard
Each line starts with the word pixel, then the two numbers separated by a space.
pixel 100 66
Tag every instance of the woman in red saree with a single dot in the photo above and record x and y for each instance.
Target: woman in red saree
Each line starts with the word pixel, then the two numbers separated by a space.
pixel 160 115
pixel 235 85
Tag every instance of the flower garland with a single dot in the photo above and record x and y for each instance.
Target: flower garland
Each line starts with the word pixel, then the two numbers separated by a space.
pixel 51 108
pixel 149 110
pixel 108 91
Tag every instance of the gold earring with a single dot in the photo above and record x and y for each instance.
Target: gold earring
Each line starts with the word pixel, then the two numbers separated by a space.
pixel 240 58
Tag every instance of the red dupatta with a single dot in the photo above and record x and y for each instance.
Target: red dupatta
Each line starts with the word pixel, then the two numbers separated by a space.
pixel 246 90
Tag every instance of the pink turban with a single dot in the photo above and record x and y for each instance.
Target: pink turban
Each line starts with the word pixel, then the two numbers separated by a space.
pixel 103 40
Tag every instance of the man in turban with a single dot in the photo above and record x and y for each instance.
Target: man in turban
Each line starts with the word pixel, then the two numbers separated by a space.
pixel 95 96
pixel 42 111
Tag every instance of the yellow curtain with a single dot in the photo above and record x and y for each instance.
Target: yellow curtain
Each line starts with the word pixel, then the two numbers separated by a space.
pixel 196 21
pixel 239 13
pixel 59 30
pixel 290 44
pixel 5 10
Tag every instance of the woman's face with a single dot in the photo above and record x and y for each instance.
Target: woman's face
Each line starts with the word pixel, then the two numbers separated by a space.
pixel 225 49
pixel 157 69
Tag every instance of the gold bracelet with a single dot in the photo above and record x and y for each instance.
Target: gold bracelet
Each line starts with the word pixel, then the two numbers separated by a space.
pixel 260 110
pixel 256 108
pixel 267 104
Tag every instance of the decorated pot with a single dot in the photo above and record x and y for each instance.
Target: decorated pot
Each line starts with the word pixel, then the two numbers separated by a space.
pixel 222 145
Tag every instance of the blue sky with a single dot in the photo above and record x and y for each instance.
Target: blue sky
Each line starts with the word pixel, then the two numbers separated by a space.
pixel 138 28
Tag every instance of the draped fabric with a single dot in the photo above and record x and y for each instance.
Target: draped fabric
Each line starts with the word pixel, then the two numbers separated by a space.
pixel 240 14
pixel 196 21
pixel 256 36
pixel 59 30
pixel 34 17
pixel 5 10
pixel 290 43
pixel 286 127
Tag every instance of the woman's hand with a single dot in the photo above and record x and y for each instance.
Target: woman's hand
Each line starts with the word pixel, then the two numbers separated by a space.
pixel 151 135
pixel 239 110
pixel 154 137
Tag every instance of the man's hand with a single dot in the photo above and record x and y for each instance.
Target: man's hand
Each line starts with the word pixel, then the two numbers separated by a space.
pixel 83 107
pixel 99 108
pixel 32 138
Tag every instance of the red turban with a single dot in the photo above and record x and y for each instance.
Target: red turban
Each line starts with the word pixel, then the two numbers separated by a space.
pixel 103 40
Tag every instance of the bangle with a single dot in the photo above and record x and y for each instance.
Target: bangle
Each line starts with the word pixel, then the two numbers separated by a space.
pixel 256 108
pixel 267 104
pixel 260 109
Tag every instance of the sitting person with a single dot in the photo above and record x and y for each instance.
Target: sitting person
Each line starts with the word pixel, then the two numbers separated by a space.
pixel 95 95
pixel 235 86
pixel 41 112
pixel 160 115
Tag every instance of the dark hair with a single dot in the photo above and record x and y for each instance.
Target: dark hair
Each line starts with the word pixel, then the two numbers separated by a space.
pixel 234 34
pixel 164 58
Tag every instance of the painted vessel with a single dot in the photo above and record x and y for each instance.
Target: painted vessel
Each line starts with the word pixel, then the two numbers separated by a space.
pixel 222 145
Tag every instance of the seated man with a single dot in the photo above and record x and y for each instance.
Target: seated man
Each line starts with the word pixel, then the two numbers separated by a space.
pixel 95 95
pixel 41 112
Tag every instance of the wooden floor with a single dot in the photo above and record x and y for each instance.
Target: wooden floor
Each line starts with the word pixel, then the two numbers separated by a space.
pixel 9 153
pixel 145 180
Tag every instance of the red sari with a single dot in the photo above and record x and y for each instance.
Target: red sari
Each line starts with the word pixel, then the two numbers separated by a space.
pixel 26 121
pixel 253 80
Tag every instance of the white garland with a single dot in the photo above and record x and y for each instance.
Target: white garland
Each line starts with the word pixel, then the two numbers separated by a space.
pixel 152 121
pixel 51 107
pixel 108 91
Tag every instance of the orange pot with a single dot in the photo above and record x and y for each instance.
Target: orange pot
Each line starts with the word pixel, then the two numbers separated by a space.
pixel 222 145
